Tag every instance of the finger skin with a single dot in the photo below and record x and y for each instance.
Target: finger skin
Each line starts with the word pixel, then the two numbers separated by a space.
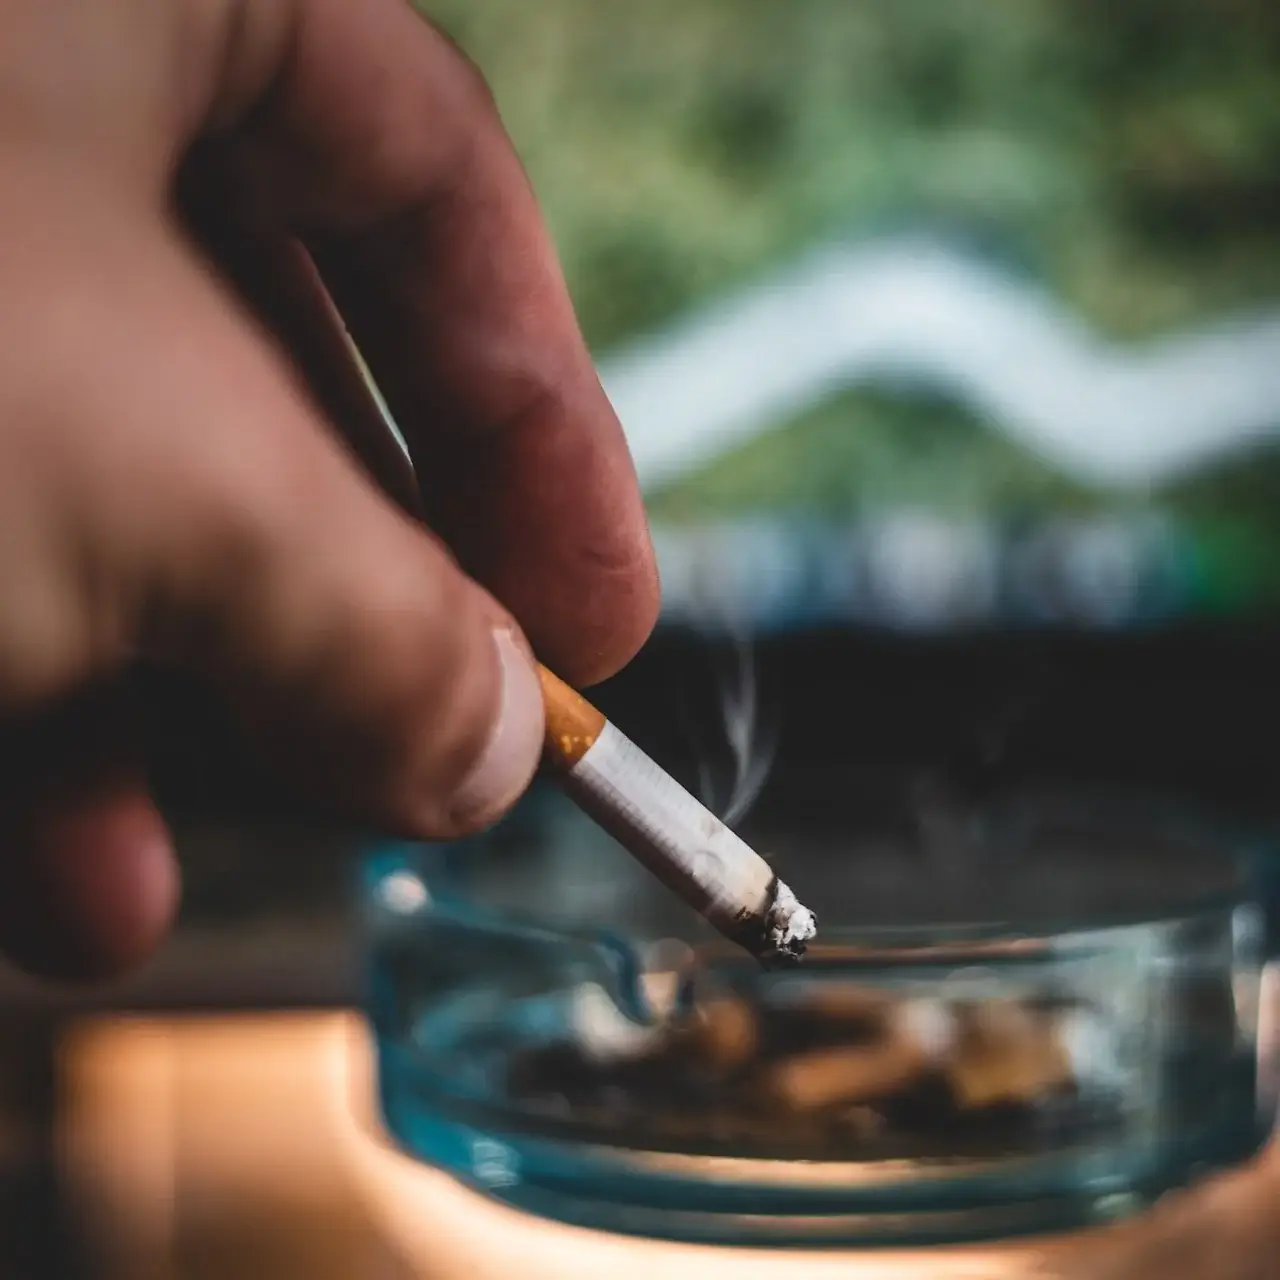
pixel 206 514
pixel 88 880
pixel 168 482
pixel 89 886
pixel 381 146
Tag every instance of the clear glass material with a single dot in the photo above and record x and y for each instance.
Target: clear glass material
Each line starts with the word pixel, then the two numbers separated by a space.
pixel 1059 1025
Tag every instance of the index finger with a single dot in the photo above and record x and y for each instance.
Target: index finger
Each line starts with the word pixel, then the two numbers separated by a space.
pixel 378 143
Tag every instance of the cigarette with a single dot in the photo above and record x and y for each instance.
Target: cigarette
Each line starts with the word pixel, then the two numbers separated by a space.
pixel 724 1032
pixel 845 1074
pixel 848 1003
pixel 917 1037
pixel 661 825
pixel 654 818
pixel 1010 1054
pixel 605 1034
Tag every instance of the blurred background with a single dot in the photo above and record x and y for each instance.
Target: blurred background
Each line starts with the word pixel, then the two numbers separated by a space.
pixel 947 340
pixel 918 315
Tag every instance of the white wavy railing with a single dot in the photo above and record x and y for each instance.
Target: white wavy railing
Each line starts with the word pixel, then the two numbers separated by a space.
pixel 921 312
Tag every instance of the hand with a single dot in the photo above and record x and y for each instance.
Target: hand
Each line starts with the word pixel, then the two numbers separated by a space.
pixel 176 177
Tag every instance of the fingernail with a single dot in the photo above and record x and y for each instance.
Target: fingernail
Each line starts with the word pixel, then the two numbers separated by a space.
pixel 510 757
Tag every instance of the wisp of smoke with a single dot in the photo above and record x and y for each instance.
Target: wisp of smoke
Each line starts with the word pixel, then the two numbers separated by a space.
pixel 751 747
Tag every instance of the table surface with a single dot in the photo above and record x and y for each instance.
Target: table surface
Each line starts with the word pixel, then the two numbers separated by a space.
pixel 247 1145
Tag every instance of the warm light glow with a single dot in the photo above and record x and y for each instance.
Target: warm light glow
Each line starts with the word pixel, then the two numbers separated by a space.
pixel 253 1140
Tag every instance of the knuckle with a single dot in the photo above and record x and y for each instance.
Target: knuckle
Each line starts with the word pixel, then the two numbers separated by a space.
pixel 475 96
pixel 378 163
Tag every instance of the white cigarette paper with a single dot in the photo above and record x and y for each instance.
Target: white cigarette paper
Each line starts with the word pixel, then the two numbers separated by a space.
pixel 685 845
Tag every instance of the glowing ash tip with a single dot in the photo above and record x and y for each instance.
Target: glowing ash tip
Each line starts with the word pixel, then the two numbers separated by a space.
pixel 789 928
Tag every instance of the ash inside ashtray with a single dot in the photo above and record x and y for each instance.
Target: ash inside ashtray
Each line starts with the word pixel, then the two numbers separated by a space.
pixel 841 1070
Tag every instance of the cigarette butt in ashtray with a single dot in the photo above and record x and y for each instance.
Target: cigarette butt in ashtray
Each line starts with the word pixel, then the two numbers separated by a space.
pixel 848 1003
pixel 660 824
pixel 603 1033
pixel 917 1037
pixel 718 1032
pixel 1009 1052
pixel 722 1031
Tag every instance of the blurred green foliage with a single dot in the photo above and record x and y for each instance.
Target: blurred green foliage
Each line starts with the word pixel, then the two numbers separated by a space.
pixel 862 438
pixel 1123 150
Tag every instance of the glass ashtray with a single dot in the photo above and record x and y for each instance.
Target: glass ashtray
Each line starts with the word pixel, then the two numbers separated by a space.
pixel 1034 1021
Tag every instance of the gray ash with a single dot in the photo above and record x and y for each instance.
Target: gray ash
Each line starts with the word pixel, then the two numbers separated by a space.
pixel 789 927
pixel 781 937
